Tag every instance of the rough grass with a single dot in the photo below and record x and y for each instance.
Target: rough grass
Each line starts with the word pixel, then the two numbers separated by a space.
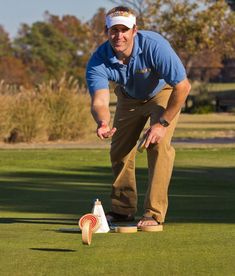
pixel 51 112
pixel 60 111
pixel 42 191
pixel 218 87
pixel 214 125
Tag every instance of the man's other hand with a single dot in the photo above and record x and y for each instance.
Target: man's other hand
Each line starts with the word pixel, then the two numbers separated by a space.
pixel 104 131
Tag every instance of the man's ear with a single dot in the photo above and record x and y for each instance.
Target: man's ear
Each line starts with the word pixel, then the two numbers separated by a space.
pixel 135 29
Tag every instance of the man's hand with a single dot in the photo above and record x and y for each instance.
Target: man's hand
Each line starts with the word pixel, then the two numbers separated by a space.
pixel 180 92
pixel 155 134
pixel 103 130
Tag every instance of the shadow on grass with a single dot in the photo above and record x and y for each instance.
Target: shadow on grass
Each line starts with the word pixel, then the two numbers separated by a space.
pixel 55 221
pixel 53 249
pixel 195 195
pixel 202 195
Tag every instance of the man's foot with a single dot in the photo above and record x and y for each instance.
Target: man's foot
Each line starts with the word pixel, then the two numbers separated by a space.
pixel 148 221
pixel 114 217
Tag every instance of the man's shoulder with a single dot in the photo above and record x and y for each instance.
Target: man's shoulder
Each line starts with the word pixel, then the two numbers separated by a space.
pixel 149 34
pixel 151 38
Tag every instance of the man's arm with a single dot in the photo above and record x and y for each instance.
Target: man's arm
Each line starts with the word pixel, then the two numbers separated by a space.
pixel 176 100
pixel 178 96
pixel 101 113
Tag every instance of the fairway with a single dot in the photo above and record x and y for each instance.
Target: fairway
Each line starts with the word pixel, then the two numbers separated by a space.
pixel 42 191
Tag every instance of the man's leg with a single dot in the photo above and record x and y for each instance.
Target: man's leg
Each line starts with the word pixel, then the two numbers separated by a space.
pixel 129 123
pixel 160 162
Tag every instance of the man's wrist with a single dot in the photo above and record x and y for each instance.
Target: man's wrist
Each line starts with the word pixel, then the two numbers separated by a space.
pixel 102 123
pixel 163 122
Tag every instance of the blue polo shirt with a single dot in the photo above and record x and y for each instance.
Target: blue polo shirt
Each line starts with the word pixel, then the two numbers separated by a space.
pixel 153 63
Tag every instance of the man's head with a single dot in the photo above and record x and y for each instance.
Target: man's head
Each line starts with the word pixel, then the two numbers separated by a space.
pixel 121 16
pixel 121 29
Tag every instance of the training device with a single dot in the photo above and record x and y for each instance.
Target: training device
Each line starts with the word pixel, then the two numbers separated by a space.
pixel 99 211
pixel 88 223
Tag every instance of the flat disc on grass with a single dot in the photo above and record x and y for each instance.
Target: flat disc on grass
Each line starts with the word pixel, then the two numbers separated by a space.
pixel 126 229
pixel 155 228
pixel 86 233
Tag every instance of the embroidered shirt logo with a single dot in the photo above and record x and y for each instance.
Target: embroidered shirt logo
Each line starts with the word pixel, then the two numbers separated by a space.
pixel 143 71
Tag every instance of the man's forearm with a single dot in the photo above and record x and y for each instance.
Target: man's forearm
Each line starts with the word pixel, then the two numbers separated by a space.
pixel 176 100
pixel 100 106
pixel 100 114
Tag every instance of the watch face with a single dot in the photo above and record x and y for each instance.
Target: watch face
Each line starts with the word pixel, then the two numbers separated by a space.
pixel 163 122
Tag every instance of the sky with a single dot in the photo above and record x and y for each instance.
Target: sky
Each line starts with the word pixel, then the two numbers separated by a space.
pixel 15 12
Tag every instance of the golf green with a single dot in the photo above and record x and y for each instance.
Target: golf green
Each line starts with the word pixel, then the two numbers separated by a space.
pixel 42 191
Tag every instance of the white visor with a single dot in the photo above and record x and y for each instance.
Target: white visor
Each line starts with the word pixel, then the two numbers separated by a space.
pixel 120 18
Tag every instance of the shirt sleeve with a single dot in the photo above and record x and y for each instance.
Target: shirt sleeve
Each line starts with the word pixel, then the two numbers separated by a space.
pixel 168 64
pixel 96 75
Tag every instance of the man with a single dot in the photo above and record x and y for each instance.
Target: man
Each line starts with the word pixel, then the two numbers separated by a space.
pixel 152 84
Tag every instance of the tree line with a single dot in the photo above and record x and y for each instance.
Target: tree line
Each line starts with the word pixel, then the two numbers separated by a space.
pixel 202 32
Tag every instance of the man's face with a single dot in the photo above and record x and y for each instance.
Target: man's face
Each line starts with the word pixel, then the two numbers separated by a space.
pixel 121 39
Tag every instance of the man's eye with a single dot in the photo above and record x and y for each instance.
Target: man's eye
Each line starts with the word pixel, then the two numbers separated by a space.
pixel 118 30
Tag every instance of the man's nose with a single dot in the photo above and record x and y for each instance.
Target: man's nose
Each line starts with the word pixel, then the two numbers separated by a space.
pixel 119 34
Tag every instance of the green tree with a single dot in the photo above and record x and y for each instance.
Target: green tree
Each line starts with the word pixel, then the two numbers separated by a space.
pixel 53 47
pixel 5 45
pixel 44 49
pixel 79 35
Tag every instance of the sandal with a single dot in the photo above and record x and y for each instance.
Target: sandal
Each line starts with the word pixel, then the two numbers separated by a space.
pixel 114 217
pixel 148 221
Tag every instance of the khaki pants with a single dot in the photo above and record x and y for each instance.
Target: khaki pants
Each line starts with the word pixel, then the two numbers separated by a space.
pixel 130 119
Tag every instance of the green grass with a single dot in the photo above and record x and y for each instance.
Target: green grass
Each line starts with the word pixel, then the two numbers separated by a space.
pixel 42 191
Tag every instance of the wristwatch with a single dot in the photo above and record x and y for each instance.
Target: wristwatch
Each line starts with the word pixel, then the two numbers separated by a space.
pixel 163 122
